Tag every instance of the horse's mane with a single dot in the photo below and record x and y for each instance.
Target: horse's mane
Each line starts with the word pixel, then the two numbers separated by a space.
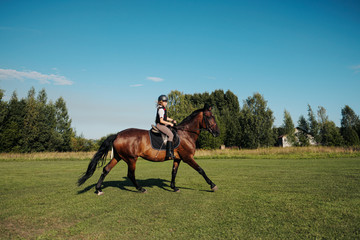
pixel 189 118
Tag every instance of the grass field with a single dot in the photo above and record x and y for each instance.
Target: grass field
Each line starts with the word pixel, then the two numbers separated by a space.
pixel 257 199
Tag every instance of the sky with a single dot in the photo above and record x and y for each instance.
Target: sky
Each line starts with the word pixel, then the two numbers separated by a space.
pixel 110 60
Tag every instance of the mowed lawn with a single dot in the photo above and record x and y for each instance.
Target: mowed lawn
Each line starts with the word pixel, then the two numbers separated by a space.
pixel 257 199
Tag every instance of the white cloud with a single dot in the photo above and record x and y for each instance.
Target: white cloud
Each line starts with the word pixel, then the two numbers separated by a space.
pixel 356 68
pixel 155 79
pixel 9 74
pixel 136 85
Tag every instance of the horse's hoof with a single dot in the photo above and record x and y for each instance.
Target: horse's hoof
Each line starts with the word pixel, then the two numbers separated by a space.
pixel 176 190
pixel 99 193
pixel 214 189
pixel 143 190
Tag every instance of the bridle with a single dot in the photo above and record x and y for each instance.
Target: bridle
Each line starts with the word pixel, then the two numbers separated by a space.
pixel 208 125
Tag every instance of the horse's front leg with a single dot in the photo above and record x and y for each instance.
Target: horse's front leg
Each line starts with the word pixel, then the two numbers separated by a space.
pixel 173 175
pixel 131 175
pixel 194 165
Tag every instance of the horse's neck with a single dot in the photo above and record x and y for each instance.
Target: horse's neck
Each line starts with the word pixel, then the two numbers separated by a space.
pixel 192 127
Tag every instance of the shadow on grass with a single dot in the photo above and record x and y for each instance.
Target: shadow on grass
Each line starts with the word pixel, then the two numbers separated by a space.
pixel 127 185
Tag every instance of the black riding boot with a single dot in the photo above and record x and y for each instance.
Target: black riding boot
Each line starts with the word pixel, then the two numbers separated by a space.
pixel 169 151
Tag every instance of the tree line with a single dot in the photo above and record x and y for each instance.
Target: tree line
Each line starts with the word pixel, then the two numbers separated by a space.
pixel 252 125
pixel 34 124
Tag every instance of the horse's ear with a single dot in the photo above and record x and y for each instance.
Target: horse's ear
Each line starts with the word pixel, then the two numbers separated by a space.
pixel 207 107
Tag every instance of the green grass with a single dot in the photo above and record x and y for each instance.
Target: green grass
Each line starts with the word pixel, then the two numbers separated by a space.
pixel 257 199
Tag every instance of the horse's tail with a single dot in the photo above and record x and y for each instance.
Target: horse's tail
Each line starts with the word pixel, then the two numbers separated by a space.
pixel 100 156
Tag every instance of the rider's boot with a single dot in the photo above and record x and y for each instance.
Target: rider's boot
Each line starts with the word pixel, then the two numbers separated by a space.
pixel 169 151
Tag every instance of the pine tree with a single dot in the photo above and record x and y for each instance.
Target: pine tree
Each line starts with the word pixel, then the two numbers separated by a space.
pixel 302 135
pixel 288 127
pixel 30 133
pixel 48 137
pixel 3 108
pixel 63 125
pixel 14 124
pixel 314 128
pixel 230 115
pixel 3 114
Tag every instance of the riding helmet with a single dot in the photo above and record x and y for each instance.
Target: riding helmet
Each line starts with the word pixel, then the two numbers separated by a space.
pixel 162 98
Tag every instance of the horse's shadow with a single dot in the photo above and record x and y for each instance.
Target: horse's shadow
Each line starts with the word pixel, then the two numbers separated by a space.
pixel 127 185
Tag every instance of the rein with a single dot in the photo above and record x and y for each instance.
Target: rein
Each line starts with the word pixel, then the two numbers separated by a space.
pixel 208 128
pixel 188 130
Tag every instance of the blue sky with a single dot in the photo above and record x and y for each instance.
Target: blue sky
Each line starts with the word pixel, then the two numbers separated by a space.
pixel 110 60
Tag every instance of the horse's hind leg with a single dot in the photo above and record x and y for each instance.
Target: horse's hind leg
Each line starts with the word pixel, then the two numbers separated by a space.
pixel 106 171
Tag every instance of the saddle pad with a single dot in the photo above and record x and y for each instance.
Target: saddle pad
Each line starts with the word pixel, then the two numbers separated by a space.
pixel 157 142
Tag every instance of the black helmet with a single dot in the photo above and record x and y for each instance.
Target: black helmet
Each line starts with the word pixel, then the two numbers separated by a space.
pixel 162 98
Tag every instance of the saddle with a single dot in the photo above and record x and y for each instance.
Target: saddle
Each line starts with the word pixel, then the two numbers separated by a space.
pixel 158 139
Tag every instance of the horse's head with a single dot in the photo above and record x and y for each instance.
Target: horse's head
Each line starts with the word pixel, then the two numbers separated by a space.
pixel 209 122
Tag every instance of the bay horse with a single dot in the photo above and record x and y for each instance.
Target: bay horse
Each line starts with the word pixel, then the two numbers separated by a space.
pixel 132 143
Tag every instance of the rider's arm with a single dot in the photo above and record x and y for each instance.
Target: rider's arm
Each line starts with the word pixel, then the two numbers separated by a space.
pixel 162 121
pixel 171 120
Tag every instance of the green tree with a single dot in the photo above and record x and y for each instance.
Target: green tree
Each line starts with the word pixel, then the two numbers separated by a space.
pixel 3 114
pixel 218 100
pixel 81 144
pixel 314 128
pixel 232 102
pixel 230 115
pixel 303 124
pixel 331 135
pixel 14 124
pixel 179 106
pixel 198 100
pixel 30 133
pixel 302 135
pixel 45 122
pixel 256 122
pixel 323 117
pixel 3 108
pixel 63 125
pixel 288 127
pixel 349 123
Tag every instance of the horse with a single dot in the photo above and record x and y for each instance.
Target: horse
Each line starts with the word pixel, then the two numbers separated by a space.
pixel 130 144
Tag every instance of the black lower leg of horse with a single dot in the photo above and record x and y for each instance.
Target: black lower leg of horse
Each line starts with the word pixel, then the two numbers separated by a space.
pixel 101 179
pixel 173 175
pixel 131 176
pixel 202 172
pixel 105 172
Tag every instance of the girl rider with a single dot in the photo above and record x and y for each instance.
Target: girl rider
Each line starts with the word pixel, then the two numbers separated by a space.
pixel 162 122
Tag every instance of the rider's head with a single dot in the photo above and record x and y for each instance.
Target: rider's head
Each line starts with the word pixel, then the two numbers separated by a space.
pixel 162 100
